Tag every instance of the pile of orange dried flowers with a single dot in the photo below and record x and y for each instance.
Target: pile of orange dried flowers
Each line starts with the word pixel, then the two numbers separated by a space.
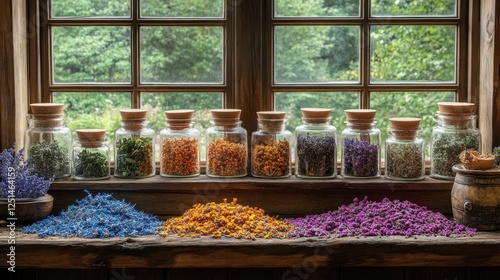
pixel 226 219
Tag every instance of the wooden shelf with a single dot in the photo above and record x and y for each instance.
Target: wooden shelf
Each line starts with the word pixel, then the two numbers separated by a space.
pixel 175 252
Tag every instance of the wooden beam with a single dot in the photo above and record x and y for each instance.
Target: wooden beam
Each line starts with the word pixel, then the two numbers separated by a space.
pixel 489 48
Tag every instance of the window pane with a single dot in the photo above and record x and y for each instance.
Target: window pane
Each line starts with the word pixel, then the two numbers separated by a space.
pixel 182 8
pixel 414 7
pixel 93 109
pixel 90 8
pixel 182 55
pixel 413 53
pixel 316 8
pixel 408 104
pixel 316 54
pixel 91 54
pixel 292 102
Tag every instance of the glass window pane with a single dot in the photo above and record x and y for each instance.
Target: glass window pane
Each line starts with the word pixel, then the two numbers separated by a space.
pixel 91 54
pixel 93 109
pixel 182 8
pixel 202 102
pixel 413 53
pixel 316 54
pixel 90 8
pixel 414 7
pixel 408 104
pixel 292 102
pixel 316 8
pixel 182 55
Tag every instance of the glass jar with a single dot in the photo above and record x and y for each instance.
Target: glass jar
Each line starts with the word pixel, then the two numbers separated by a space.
pixel 91 155
pixel 271 149
pixel 360 147
pixel 134 146
pixel 453 133
pixel 404 150
pixel 316 149
pixel 48 141
pixel 180 145
pixel 226 145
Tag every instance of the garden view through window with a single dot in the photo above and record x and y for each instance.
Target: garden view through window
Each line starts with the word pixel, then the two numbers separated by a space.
pixel 399 57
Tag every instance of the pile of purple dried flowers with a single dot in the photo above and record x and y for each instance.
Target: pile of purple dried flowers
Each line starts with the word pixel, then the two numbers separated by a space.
pixel 385 218
pixel 360 158
pixel 18 172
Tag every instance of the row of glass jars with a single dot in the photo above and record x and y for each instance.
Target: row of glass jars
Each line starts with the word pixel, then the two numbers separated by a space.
pixel 49 146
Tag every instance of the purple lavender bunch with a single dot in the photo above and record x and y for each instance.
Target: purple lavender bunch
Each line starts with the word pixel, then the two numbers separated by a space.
pixel 15 170
pixel 360 158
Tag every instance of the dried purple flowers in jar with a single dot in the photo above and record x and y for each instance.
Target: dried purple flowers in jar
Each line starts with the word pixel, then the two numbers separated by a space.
pixel 360 147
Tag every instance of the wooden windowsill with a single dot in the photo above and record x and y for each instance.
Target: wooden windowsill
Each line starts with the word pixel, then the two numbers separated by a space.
pixel 173 252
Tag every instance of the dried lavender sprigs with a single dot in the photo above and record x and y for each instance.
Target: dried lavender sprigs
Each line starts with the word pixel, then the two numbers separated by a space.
pixel 370 218
pixel 360 158
pixel 97 216
pixel 316 156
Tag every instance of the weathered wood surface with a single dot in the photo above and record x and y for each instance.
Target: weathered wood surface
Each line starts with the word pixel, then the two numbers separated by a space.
pixel 286 197
pixel 175 252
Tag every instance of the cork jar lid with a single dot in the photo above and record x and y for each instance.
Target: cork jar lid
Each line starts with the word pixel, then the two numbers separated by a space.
pixel 91 137
pixel 316 115
pixel 404 128
pixel 225 117
pixel 179 119
pixel 456 108
pixel 271 121
pixel 134 114
pixel 360 118
pixel 47 108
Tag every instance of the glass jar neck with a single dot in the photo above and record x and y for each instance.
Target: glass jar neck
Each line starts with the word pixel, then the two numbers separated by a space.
pixel 45 121
pixel 271 126
pixel 134 125
pixel 456 121
pixel 178 126
pixel 360 125
pixel 316 122
pixel 226 126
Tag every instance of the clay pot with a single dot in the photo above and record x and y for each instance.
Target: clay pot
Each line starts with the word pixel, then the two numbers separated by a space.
pixel 28 210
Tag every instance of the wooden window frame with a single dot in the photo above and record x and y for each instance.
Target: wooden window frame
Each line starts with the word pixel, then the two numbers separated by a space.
pixel 250 87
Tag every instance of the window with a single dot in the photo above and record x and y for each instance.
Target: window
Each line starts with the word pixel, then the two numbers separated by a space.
pixel 397 56
pixel 99 56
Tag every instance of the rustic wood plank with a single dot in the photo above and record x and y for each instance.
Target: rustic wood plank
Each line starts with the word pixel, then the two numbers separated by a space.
pixel 452 273
pixel 372 273
pixel 489 73
pixel 167 197
pixel 74 274
pixel 7 84
pixel 175 252
pixel 200 273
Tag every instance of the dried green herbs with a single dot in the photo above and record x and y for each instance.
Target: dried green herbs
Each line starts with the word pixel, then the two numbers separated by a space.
pixel 446 149
pixel 404 161
pixel 316 156
pixel 50 159
pixel 91 164
pixel 134 157
pixel 496 153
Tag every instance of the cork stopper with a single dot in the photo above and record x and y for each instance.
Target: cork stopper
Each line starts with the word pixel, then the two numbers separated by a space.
pixel 315 115
pixel 404 128
pixel 226 117
pixel 47 114
pixel 47 108
pixel 271 121
pixel 91 138
pixel 360 118
pixel 134 114
pixel 179 119
pixel 456 113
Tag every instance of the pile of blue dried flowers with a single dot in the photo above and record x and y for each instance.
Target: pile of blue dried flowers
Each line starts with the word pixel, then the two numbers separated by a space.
pixel 97 216
pixel 18 178
pixel 382 218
